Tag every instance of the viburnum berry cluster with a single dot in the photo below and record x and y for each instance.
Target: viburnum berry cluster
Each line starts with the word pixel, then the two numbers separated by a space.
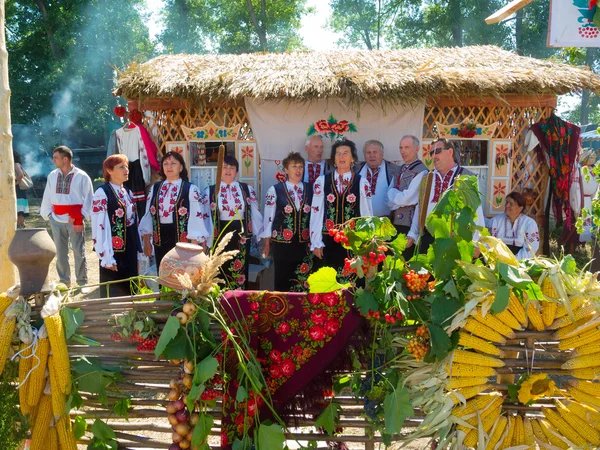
pixel 419 345
pixel 147 345
pixel 393 318
pixel 416 282
pixel 338 236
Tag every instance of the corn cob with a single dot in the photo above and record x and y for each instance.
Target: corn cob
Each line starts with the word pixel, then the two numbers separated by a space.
pixel 590 415
pixel 582 362
pixel 509 320
pixel 566 331
pixel 470 341
pixel 494 323
pixel 590 373
pixel 487 424
pixel 58 398
pixel 53 439
pixel 528 427
pixel 497 432
pixel 548 312
pixel 535 318
pixel 56 335
pixel 476 359
pixel 5 302
pixel 468 370
pixel 66 438
pixel 587 387
pixel 537 431
pixel 563 427
pixel 588 337
pixel 7 328
pixel 476 404
pixel 37 379
pixel 551 435
pixel 468 393
pixel 548 288
pixel 587 349
pixel 579 313
pixel 516 308
pixel 583 397
pixel 465 382
pixel 24 368
pixel 491 409
pixel 582 428
pixel 42 424
pixel 518 437
pixel 484 332
pixel 509 433
pixel 576 302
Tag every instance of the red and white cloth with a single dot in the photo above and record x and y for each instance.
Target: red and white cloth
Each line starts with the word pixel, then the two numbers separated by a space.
pixel 523 233
pixel 67 197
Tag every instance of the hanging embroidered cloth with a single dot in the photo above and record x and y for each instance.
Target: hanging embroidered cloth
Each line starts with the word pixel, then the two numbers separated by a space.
pixel 296 337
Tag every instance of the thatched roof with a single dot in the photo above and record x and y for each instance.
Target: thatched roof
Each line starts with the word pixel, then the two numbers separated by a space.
pixel 389 75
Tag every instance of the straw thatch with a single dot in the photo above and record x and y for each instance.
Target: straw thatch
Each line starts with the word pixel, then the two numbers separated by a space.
pixel 389 75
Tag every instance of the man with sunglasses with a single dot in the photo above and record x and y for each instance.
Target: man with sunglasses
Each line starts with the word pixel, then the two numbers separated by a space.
pixel 439 180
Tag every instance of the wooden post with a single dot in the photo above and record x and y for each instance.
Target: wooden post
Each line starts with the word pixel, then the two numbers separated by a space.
pixel 8 200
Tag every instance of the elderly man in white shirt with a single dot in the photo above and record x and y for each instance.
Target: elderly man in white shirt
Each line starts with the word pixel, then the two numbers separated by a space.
pixel 67 201
pixel 315 166
pixel 379 173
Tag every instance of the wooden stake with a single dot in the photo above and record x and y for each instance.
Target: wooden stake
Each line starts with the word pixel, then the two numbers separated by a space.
pixel 509 9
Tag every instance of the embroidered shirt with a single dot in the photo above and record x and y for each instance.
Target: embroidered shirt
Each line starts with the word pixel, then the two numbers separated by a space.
pixel 131 144
pixel 73 189
pixel 313 170
pixel 378 182
pixel 409 196
pixel 523 233
pixel 295 191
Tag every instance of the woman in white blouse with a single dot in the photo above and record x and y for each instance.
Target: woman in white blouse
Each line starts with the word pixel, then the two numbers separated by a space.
pixel 173 210
pixel 233 208
pixel 338 196
pixel 114 227
pixel 518 231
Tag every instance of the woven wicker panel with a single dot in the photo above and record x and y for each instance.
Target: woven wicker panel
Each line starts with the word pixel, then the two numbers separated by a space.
pixel 513 123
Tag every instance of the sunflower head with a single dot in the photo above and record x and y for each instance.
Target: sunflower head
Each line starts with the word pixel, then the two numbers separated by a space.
pixel 534 387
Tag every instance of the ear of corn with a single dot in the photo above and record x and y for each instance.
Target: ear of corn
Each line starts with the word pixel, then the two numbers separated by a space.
pixel 587 349
pixel 551 435
pixel 509 320
pixel 58 344
pixel 497 432
pixel 5 302
pixel 584 398
pixel 483 331
pixel 579 313
pixel 588 337
pixel 477 404
pixel 516 308
pixel 537 431
pixel 41 424
pixel 582 362
pixel 492 409
pixel 528 433
pixel 534 316
pixel 587 387
pixel 487 423
pixel 37 379
pixel 476 359
pixel 586 413
pixel 470 341
pixel 24 368
pixel 548 313
pixel 564 332
pixel 66 438
pixel 494 323
pixel 468 392
pixel 53 439
pixel 7 328
pixel 576 302
pixel 518 437
pixel 59 400
pixel 563 427
pixel 468 370
pixel 465 382
pixel 582 428
pixel 589 373
pixel 508 433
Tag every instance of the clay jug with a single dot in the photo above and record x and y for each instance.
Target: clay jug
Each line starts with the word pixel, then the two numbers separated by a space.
pixel 32 250
pixel 181 259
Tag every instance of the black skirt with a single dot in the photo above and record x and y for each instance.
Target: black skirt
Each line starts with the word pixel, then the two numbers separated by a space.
pixel 514 248
pixel 168 239
pixel 137 185
pixel 293 263
pixel 235 271
pixel 127 266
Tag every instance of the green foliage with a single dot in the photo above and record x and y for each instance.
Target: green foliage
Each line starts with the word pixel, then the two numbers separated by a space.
pixel 324 280
pixel 397 407
pixel 202 430
pixel 13 425
pixel 72 319
pixel 103 437
pixel 270 437
pixel 169 332
pixel 329 418
pixel 79 427
pixel 94 377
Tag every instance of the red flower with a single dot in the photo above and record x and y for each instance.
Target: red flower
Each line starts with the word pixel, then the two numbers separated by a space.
pixel 252 407
pixel 331 298
pixel 298 351
pixel 224 439
pixel 305 233
pixel 340 127
pixel 280 176
pixel 182 211
pixel 331 326
pixel 183 237
pixel 329 224
pixel 275 356
pixel 322 126
pixel 304 268
pixel 331 198
pixel 275 371
pixel 317 333
pixel 119 213
pixel 592 3
pixel 288 209
pixel 315 299
pixel 288 367
pixel 135 116
pixel 283 328
pixel 351 198
pixel 237 265
pixel 117 243
pixel 318 316
pixel 288 234
pixel 254 306
pixel 120 111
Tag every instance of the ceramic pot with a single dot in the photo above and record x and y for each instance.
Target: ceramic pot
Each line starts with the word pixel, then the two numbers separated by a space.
pixel 32 250
pixel 181 259
pixel 529 196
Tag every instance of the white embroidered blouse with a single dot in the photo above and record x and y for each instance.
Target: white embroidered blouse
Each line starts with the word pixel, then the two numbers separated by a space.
pixel 523 233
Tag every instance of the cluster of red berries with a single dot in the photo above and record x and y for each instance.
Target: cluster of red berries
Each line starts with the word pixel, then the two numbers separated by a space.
pixel 136 337
pixel 416 282
pixel 374 314
pixel 389 318
pixel 209 395
pixel 338 236
pixel 147 345
pixel 413 297
pixel 375 258
pixel 419 345
pixel 116 336
pixel 347 270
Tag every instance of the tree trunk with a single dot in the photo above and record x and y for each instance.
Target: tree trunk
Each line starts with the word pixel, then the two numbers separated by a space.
pixel 378 23
pixel 56 52
pixel 455 21
pixel 259 28
pixel 519 32
pixel 8 199
pixel 590 55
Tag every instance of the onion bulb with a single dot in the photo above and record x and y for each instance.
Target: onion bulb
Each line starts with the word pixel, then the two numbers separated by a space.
pixel 187 381
pixel 173 419
pixel 174 383
pixel 173 394
pixel 189 308
pixel 182 317
pixel 184 444
pixel 182 428
pixel 194 418
pixel 174 447
pixel 188 366
pixel 182 415
pixel 176 437
pixel 171 408
pixel 178 405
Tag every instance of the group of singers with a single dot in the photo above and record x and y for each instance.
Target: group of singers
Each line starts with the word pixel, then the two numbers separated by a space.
pixel 298 214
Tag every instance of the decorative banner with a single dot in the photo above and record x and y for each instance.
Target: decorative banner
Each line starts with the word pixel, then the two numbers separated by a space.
pixel 425 154
pixel 501 161
pixel 211 132
pixel 331 128
pixel 247 157
pixel 500 172
pixel 466 130
pixel 572 24
pixel 178 147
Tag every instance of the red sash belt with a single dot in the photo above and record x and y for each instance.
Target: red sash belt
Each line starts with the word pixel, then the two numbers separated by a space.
pixel 74 212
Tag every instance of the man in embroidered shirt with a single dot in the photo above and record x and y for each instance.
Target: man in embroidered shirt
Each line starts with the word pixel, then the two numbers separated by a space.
pixel 379 173
pixel 445 172
pixel 67 201
pixel 315 165
pixel 403 193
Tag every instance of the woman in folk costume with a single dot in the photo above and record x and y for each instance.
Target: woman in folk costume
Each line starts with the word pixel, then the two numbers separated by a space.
pixel 518 231
pixel 233 207
pixel 286 227
pixel 173 210
pixel 114 227
pixel 337 197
